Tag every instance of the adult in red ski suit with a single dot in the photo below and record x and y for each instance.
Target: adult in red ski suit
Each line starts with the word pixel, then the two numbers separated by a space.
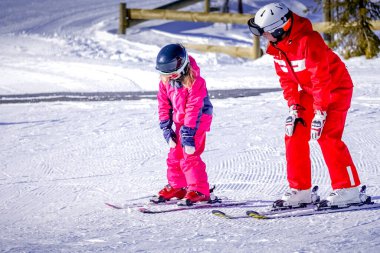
pixel 190 109
pixel 313 79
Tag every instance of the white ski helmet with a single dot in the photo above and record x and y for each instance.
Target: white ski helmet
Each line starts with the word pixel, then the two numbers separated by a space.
pixel 271 18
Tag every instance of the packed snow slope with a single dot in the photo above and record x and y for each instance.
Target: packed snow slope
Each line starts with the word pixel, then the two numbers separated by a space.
pixel 61 161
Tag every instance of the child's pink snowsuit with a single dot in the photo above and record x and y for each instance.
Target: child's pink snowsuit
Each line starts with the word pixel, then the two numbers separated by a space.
pixel 191 108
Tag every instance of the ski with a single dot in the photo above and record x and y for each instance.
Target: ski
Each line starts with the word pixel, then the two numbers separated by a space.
pixel 228 216
pixel 222 204
pixel 315 211
pixel 295 212
pixel 279 210
pixel 278 206
pixel 222 214
pixel 151 202
pixel 154 200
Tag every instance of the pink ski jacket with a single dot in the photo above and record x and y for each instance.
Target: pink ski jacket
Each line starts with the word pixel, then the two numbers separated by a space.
pixel 316 68
pixel 189 107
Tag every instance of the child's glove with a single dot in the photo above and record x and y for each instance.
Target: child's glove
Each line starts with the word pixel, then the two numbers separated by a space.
pixel 293 119
pixel 317 124
pixel 170 137
pixel 168 133
pixel 189 150
pixel 187 139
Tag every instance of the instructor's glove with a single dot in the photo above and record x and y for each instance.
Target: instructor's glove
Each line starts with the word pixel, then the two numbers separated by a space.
pixel 187 139
pixel 168 132
pixel 317 124
pixel 293 119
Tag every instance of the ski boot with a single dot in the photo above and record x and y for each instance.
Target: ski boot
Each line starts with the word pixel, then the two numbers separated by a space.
pixel 168 193
pixel 193 197
pixel 297 199
pixel 345 197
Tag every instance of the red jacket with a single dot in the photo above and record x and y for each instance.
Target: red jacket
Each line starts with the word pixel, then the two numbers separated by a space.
pixel 189 107
pixel 317 69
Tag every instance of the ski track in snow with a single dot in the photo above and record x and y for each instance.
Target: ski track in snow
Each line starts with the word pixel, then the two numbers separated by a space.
pixel 64 160
pixel 61 161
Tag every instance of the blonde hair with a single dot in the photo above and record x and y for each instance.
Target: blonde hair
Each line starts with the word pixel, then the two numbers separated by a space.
pixel 187 80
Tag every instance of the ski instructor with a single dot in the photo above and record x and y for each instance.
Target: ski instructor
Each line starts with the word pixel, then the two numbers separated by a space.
pixel 318 90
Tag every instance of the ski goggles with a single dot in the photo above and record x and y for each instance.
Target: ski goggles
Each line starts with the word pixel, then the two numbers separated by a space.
pixel 172 76
pixel 178 73
pixel 274 29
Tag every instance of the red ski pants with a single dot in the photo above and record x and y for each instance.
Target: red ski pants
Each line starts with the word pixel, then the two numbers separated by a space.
pixel 342 170
pixel 186 170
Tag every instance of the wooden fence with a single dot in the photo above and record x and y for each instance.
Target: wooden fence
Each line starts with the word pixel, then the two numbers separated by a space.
pixel 128 16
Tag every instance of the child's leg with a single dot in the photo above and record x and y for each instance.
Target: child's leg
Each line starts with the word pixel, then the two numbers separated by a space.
pixel 175 175
pixel 194 168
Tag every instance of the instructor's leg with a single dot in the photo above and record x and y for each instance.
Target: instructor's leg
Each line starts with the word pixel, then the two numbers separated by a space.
pixel 342 170
pixel 298 150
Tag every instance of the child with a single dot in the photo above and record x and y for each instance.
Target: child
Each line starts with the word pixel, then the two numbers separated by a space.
pixel 183 100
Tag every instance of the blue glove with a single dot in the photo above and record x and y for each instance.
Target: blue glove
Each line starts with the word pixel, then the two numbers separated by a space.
pixel 168 132
pixel 187 139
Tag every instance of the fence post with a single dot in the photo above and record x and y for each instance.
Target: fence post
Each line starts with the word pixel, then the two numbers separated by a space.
pixel 256 47
pixel 207 6
pixel 226 6
pixel 240 6
pixel 327 18
pixel 122 18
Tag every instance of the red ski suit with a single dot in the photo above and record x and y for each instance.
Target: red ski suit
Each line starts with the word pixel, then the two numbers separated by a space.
pixel 191 108
pixel 317 80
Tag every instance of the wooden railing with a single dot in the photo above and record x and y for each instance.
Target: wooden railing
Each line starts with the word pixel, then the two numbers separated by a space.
pixel 128 18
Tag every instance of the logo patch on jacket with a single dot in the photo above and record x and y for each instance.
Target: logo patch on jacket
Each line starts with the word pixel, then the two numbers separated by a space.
pixel 298 65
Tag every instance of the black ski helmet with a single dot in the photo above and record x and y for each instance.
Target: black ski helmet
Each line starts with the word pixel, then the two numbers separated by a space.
pixel 172 58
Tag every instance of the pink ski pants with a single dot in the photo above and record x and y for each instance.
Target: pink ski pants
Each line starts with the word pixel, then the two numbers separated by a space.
pixel 186 170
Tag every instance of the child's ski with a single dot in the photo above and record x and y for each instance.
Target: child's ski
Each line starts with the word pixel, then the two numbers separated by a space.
pixel 224 203
pixel 153 201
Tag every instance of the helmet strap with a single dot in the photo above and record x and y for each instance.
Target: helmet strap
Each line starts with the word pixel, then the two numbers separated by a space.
pixel 186 70
pixel 287 29
pixel 184 73
pixel 176 83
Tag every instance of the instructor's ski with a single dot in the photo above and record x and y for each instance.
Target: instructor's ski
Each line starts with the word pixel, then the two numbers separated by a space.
pixel 222 214
pixel 278 210
pixel 315 211
pixel 299 212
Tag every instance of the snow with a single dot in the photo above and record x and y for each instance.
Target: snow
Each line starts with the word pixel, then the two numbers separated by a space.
pixel 60 161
